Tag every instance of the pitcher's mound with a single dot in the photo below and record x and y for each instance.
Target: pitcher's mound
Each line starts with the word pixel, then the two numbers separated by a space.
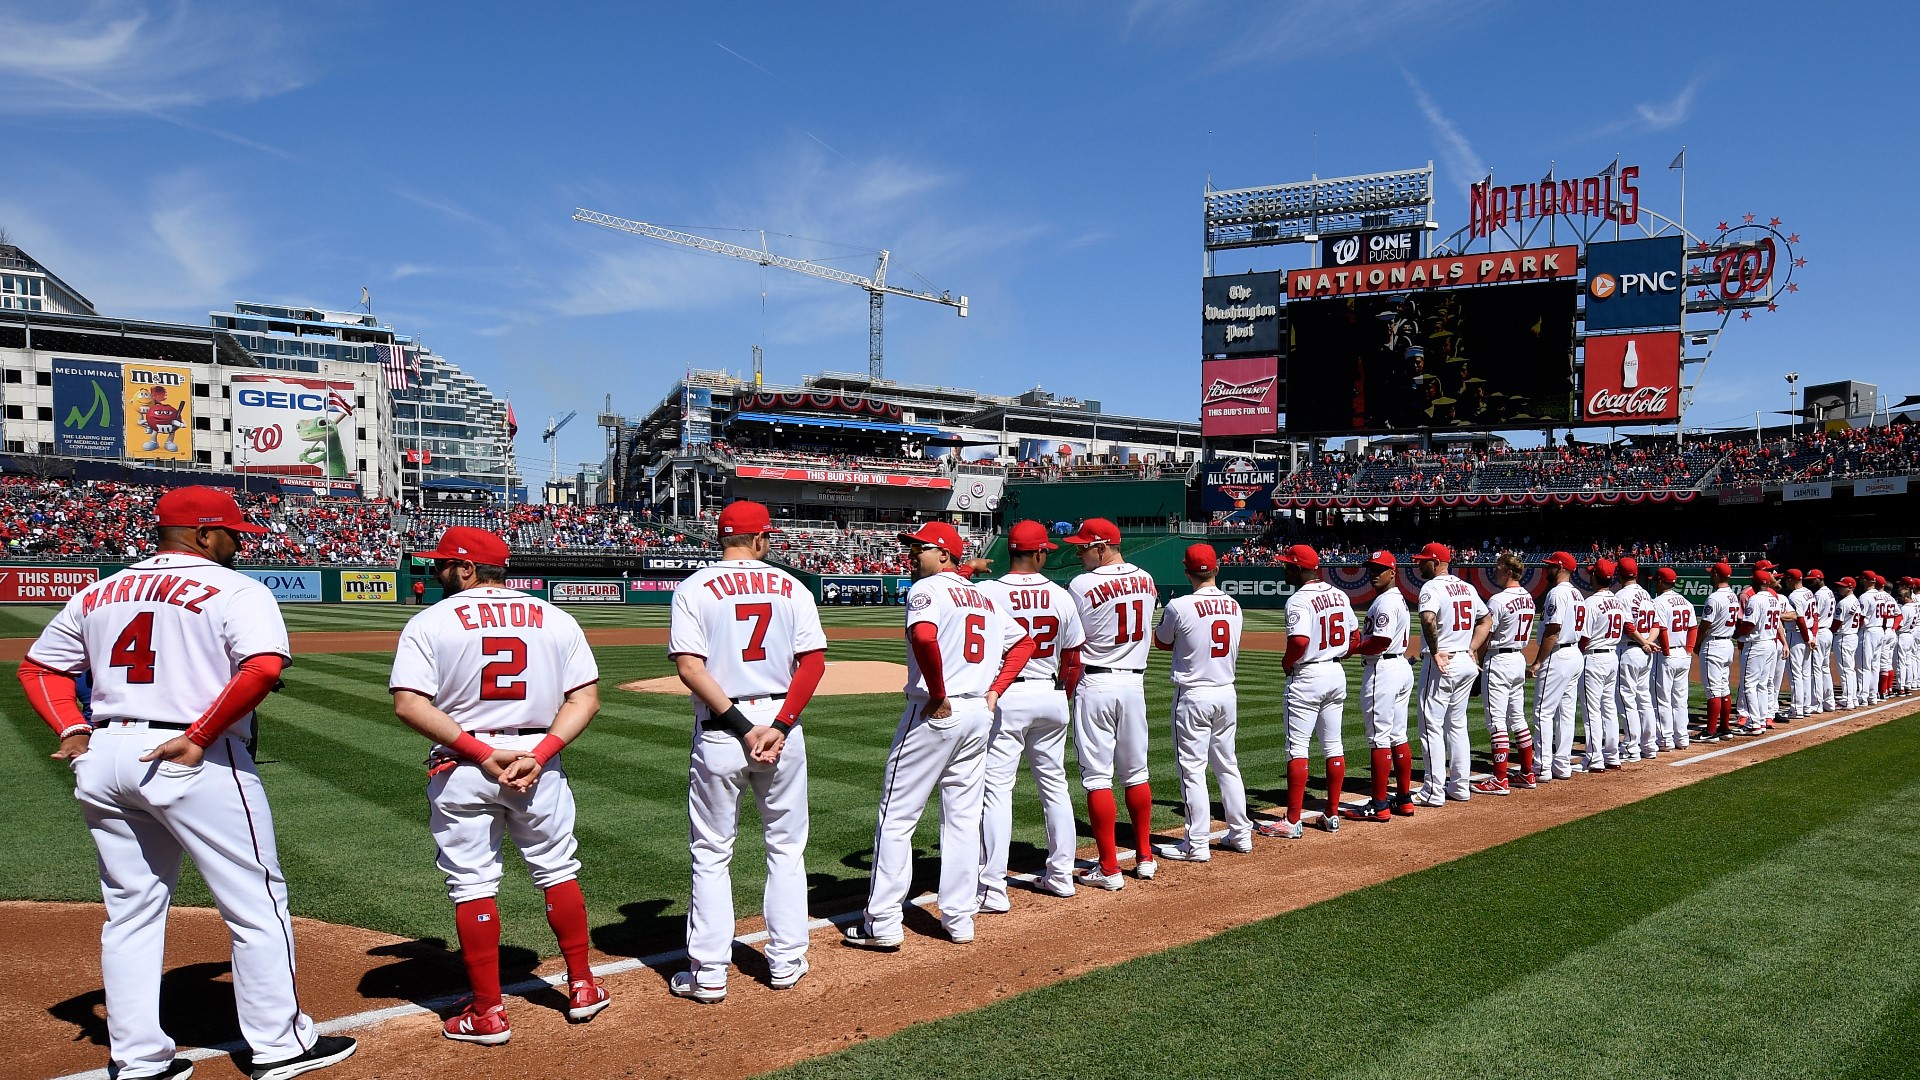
pixel 845 677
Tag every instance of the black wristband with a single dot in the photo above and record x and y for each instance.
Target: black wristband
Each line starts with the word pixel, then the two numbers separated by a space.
pixel 736 721
pixel 784 727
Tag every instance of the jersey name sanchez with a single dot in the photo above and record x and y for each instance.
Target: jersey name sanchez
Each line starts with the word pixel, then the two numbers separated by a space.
pixel 1456 606
pixel 1323 615
pixel 1045 611
pixel 1116 603
pixel 494 659
pixel 972 632
pixel 748 621
pixel 1606 619
pixel 162 638
pixel 1203 630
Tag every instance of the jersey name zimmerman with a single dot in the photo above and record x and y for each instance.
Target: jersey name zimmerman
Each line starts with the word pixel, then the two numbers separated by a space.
pixel 1115 604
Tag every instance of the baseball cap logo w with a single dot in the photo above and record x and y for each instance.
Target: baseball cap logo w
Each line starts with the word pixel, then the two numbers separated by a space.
pixel 1255 391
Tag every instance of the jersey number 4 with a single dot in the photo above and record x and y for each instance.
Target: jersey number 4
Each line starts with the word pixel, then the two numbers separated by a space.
pixel 500 680
pixel 133 649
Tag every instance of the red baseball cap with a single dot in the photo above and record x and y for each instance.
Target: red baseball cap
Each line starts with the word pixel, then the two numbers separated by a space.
pixel 1847 581
pixel 1029 536
pixel 1382 558
pixel 1763 564
pixel 938 534
pixel 197 507
pixel 1435 552
pixel 1201 559
pixel 1794 575
pixel 1722 569
pixel 473 545
pixel 1666 574
pixel 1302 556
pixel 1763 577
pixel 1564 560
pixel 1096 531
pixel 745 518
pixel 1817 574
pixel 1603 570
pixel 1628 566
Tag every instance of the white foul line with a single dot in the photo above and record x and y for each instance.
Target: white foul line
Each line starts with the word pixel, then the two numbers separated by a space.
pixel 1784 734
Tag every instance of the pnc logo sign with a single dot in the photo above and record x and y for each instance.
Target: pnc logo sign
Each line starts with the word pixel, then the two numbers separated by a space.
pixel 1604 286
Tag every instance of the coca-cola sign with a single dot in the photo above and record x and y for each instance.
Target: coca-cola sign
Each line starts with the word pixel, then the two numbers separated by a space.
pixel 1240 396
pixel 1631 378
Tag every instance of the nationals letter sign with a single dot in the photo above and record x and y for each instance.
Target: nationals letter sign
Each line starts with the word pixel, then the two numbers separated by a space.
pixel 1240 396
pixel 1631 378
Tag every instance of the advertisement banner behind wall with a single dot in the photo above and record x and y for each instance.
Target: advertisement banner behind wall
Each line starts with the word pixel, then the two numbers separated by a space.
pixel 1629 378
pixel 1807 492
pixel 368 587
pixel 861 590
pixel 289 586
pixel 1240 313
pixel 1881 485
pixel 586 592
pixel 157 400
pixel 290 426
pixel 44 584
pixel 1239 486
pixel 87 396
pixel 1050 450
pixel 1240 397
pixel 1635 283
pixel 677 562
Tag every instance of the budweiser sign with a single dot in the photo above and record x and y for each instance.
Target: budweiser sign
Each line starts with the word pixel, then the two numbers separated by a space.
pixel 1255 391
pixel 1240 396
pixel 1632 377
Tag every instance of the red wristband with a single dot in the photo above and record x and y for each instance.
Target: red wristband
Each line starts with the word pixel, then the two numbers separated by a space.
pixel 471 748
pixel 548 747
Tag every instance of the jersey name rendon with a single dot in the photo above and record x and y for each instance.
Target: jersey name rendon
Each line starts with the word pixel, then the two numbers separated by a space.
pixel 180 592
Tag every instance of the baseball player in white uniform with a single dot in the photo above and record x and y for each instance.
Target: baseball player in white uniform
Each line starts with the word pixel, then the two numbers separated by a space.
pixel 1606 621
pixel 1557 668
pixel 1717 625
pixel 1032 718
pixel 1321 631
pixel 1871 638
pixel 1454 624
pixel 1676 635
pixel 179 650
pixel 1386 691
pixel 1907 659
pixel 1116 601
pixel 1761 638
pixel 1889 610
pixel 1849 625
pixel 963 652
pixel 1635 679
pixel 1823 620
pixel 501 682
pixel 1800 635
pixel 747 641
pixel 1504 677
pixel 1202 631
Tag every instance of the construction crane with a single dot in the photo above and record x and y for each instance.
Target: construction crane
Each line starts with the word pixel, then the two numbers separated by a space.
pixel 877 288
pixel 553 460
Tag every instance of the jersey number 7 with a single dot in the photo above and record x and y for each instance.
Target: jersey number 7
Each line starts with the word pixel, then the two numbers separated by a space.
pixel 761 615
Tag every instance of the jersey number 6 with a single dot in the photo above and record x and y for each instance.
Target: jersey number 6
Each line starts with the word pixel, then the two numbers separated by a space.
pixel 500 680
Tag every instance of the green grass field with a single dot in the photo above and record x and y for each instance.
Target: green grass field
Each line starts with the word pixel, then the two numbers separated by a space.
pixel 1756 924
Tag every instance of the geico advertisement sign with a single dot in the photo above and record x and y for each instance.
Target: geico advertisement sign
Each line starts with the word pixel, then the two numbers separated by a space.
pixel 1255 587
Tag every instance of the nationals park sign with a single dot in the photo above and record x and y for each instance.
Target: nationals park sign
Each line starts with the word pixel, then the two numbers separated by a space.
pixel 1500 267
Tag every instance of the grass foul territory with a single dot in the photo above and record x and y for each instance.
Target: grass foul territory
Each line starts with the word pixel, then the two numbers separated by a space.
pixel 1757 924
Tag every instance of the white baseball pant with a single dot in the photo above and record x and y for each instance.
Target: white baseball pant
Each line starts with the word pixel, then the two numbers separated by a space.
pixel 1846 657
pixel 1504 685
pixel 469 811
pixel 1800 676
pixel 1823 695
pixel 719 775
pixel 1446 751
pixel 1110 729
pixel 143 817
pixel 1556 698
pixel 1779 676
pixel 1386 692
pixel 1206 724
pixel 1030 719
pixel 1633 687
pixel 1600 707
pixel 1757 662
pixel 1869 666
pixel 1670 678
pixel 1903 661
pixel 1316 696
pixel 1883 660
pixel 1716 666
pixel 951 755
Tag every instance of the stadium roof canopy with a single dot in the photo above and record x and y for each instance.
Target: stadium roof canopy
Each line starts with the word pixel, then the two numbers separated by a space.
pixel 836 422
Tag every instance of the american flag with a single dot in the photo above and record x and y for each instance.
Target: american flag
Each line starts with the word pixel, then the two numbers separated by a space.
pixel 394 359
pixel 337 403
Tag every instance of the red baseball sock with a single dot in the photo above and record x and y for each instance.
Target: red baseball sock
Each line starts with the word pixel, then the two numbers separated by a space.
pixel 1296 787
pixel 478 925
pixel 1336 780
pixel 1526 753
pixel 567 914
pixel 1101 814
pixel 1403 768
pixel 1382 772
pixel 1500 758
pixel 1713 717
pixel 1140 812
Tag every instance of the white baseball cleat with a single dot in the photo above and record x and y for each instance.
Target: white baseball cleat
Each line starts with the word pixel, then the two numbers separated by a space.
pixel 1145 870
pixel 1181 853
pixel 1282 829
pixel 784 980
pixel 1428 798
pixel 683 984
pixel 1099 879
pixel 860 937
pixel 1062 889
pixel 1243 846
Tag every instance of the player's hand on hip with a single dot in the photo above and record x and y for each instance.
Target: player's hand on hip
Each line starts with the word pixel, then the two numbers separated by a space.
pixel 939 710
pixel 179 749
pixel 73 746
pixel 521 773
pixel 1441 660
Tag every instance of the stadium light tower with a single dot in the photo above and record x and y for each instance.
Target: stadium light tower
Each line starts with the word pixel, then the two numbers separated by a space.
pixel 1793 399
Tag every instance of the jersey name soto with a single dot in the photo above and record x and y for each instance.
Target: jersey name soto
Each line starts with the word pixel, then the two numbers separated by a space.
pixel 749 583
pixel 180 592
pixel 499 613
pixel 1030 600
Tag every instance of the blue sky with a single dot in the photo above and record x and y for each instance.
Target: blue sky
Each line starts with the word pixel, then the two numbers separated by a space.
pixel 1045 159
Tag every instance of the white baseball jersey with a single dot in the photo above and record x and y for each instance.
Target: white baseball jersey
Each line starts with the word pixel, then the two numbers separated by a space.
pixel 1606 619
pixel 1823 606
pixel 1513 615
pixel 748 621
pixel 1640 613
pixel 163 637
pixel 1887 608
pixel 1722 613
pixel 1908 614
pixel 1676 617
pixel 1801 601
pixel 1116 603
pixel 1849 616
pixel 1763 611
pixel 1387 617
pixel 1324 616
pixel 1203 629
pixel 494 659
pixel 1564 609
pixel 973 635
pixel 1045 611
pixel 1456 606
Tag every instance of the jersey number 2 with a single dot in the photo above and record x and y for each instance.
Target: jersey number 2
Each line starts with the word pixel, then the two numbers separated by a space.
pixel 133 649
pixel 500 680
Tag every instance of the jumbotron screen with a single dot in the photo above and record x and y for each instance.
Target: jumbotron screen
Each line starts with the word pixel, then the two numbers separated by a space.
pixel 1494 357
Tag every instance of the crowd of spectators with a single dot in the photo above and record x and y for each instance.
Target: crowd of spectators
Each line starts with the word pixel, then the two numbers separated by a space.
pixel 818 457
pixel 1351 545
pixel 1821 455
pixel 854 549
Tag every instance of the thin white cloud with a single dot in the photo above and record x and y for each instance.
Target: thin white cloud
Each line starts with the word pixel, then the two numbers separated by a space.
pixel 1649 116
pixel 1456 153
pixel 1265 33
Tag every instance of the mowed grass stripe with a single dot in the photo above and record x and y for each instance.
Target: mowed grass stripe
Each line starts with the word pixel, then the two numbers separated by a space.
pixel 1691 934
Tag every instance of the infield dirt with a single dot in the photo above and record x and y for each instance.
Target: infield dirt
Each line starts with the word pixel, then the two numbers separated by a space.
pixel 50 964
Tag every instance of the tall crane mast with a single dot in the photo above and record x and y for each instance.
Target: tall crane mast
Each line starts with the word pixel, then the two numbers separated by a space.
pixel 877 288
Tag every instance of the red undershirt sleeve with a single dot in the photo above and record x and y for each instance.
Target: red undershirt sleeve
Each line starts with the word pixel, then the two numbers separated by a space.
pixel 257 677
pixel 1016 659
pixel 54 695
pixel 1071 669
pixel 1373 646
pixel 924 639
pixel 1296 648
pixel 806 679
